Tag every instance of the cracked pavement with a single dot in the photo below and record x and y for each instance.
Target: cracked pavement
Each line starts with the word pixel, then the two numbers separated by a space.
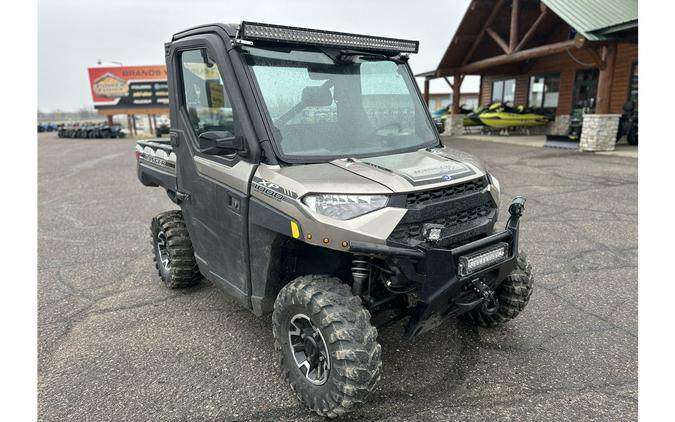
pixel 115 345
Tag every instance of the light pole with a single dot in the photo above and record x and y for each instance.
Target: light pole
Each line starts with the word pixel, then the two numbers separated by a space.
pixel 101 61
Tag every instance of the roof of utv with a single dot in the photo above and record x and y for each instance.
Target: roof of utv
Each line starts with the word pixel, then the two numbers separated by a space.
pixel 229 29
pixel 262 32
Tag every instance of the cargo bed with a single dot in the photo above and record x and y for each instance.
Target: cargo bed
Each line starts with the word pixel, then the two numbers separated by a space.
pixel 156 163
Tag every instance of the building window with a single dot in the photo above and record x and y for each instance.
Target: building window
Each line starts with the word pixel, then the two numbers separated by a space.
pixel 544 90
pixel 504 91
pixel 585 90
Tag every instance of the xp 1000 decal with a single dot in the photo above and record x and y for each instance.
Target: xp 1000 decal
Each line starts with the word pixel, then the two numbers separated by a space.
pixel 272 189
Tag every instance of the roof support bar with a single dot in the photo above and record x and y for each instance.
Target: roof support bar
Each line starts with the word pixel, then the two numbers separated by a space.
pixel 597 58
pixel 530 32
pixel 495 36
pixel 532 53
pixel 513 36
pixel 487 24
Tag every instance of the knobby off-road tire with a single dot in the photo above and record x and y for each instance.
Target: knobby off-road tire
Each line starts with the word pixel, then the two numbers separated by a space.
pixel 513 295
pixel 344 329
pixel 173 254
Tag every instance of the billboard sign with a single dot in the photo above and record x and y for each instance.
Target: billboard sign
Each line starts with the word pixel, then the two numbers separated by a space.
pixel 129 86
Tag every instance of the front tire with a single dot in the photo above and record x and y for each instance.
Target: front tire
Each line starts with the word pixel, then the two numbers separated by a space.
pixel 513 295
pixel 328 350
pixel 173 253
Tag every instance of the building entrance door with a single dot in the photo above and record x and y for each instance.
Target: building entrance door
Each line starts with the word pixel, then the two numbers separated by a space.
pixel 585 90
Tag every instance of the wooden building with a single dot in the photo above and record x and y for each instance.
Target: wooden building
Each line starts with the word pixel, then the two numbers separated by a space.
pixel 557 55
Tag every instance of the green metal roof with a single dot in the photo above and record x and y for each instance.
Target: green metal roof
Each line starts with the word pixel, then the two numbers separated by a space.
pixel 596 19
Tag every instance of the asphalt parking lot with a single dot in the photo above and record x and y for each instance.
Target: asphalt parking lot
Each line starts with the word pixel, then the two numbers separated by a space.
pixel 115 345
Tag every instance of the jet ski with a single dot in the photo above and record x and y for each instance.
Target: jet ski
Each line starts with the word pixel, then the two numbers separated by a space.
pixel 440 113
pixel 440 116
pixel 471 116
pixel 502 116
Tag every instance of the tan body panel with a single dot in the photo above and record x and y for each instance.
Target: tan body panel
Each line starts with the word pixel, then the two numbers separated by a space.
pixel 236 177
pixel 352 176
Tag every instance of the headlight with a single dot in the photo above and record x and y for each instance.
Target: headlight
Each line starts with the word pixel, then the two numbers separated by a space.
pixel 344 207
pixel 495 192
pixel 494 180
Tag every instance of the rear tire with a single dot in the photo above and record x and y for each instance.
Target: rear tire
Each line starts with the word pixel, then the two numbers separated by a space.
pixel 513 295
pixel 173 253
pixel 632 137
pixel 328 327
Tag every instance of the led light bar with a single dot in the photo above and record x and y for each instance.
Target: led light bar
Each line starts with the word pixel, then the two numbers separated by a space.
pixel 471 263
pixel 278 33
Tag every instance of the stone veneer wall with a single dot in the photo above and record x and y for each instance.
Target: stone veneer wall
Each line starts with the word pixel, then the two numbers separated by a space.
pixel 454 125
pixel 598 132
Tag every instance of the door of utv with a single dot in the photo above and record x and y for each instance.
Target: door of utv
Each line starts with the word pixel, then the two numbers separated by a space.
pixel 207 98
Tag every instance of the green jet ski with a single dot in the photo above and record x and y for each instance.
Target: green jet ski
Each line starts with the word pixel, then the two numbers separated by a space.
pixel 502 116
pixel 471 117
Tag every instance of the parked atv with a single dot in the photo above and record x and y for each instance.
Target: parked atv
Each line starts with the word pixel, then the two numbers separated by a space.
pixel 318 205
pixel 163 127
pixel 82 131
pixel 628 124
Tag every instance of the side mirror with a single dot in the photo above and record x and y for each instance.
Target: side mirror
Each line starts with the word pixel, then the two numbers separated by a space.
pixel 217 142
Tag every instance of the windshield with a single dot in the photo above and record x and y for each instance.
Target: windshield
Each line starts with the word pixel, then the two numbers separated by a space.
pixel 323 109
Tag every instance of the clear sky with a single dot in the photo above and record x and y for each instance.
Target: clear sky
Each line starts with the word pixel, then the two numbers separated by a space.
pixel 74 34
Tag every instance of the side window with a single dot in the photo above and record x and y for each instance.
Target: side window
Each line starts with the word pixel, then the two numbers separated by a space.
pixel 206 101
pixel 504 91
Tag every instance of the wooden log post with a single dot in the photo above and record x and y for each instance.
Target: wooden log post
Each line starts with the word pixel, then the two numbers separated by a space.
pixel 605 80
pixel 456 84
pixel 513 36
pixel 133 121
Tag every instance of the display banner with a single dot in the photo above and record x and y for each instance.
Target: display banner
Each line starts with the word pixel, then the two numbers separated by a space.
pixel 129 86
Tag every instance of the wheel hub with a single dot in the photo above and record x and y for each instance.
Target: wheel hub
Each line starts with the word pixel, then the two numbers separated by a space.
pixel 163 251
pixel 308 349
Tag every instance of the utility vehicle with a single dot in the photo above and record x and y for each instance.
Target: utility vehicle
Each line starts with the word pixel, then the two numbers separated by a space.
pixel 313 185
pixel 163 127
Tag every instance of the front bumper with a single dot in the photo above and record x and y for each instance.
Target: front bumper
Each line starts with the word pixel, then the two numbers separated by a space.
pixel 442 291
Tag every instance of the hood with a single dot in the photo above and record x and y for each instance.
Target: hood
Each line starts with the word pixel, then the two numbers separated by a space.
pixel 421 169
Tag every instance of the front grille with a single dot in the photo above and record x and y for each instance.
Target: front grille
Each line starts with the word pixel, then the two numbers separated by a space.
pixel 405 232
pixel 445 193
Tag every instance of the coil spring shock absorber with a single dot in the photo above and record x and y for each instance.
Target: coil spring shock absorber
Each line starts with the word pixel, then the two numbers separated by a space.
pixel 360 273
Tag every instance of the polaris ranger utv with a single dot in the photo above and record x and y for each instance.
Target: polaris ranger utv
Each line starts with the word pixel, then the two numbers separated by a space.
pixel 313 185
